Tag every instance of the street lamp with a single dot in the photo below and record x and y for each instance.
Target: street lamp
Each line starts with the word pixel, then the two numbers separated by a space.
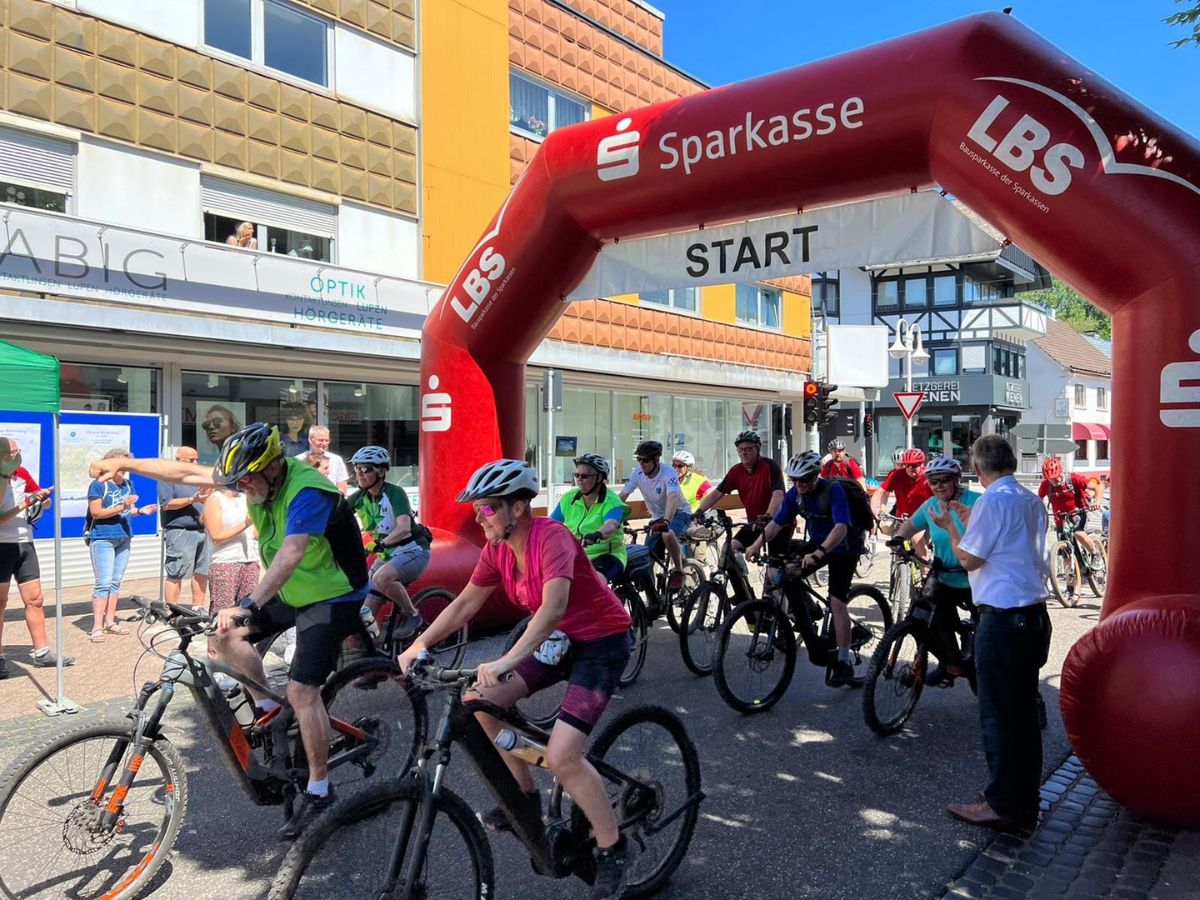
pixel 908 347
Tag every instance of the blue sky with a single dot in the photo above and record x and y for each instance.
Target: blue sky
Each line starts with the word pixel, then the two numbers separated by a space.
pixel 1126 41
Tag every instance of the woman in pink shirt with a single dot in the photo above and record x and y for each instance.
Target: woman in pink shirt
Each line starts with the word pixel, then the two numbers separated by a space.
pixel 541 566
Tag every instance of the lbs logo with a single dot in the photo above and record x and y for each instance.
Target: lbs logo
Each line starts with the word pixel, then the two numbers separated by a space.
pixel 1018 149
pixel 478 283
pixel 618 155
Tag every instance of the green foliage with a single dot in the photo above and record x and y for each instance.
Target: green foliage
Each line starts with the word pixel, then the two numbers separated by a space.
pixel 1187 16
pixel 1070 307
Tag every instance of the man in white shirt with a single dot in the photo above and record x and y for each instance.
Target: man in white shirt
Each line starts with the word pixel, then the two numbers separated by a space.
pixel 665 501
pixel 318 443
pixel 1004 553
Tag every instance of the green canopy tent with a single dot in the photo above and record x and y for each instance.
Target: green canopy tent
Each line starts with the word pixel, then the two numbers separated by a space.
pixel 29 382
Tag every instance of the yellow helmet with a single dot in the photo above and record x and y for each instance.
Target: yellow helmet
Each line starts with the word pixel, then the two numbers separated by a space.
pixel 247 452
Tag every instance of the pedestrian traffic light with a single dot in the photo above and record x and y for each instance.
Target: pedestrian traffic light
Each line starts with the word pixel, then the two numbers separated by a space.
pixel 826 403
pixel 812 403
pixel 868 425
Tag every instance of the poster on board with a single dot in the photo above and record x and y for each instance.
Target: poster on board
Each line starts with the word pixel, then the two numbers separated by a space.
pixel 28 436
pixel 81 444
pixel 215 421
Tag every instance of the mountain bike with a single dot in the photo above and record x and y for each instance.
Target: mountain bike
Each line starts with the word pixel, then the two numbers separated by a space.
pixel 1069 558
pixel 658 598
pixel 437 848
pixel 95 809
pixel 756 644
pixel 904 577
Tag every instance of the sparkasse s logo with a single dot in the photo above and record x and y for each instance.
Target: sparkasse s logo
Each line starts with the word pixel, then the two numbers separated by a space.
pixel 618 155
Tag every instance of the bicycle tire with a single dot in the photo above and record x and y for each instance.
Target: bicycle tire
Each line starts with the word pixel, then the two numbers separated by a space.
pixel 768 631
pixel 639 632
pixel 371 695
pixel 540 708
pixel 315 866
pixel 899 589
pixel 1097 579
pixel 694 574
pixel 870 618
pixel 670 761
pixel 66 816
pixel 895 678
pixel 450 651
pixel 706 609
pixel 1064 579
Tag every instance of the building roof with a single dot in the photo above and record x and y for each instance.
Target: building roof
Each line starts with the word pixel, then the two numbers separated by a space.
pixel 1072 350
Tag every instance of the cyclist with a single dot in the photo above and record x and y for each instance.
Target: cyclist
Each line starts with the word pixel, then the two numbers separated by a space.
pixel 692 482
pixel 401 546
pixel 594 514
pixel 315 580
pixel 758 481
pixel 906 484
pixel 832 540
pixel 944 476
pixel 1069 502
pixel 665 501
pixel 839 465
pixel 545 570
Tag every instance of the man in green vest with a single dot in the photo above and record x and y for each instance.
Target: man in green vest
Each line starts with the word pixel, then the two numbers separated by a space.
pixel 594 514
pixel 315 579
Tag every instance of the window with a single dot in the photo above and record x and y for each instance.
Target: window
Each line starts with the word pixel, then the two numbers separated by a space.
pixel 1080 397
pixel 1081 450
pixel 282 224
pixel 827 293
pixel 887 294
pixel 974 359
pixel 1101 449
pixel 34 198
pixel 271 238
pixel 384 415
pixel 945 361
pixel 979 291
pixel 35 171
pixel 1101 398
pixel 945 290
pixel 536 109
pixel 758 305
pixel 88 387
pixel 916 294
pixel 678 298
pixel 270 33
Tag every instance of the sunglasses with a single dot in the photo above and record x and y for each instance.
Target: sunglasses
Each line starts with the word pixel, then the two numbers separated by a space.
pixel 584 476
pixel 646 459
pixel 487 510
pixel 935 482
pixel 811 480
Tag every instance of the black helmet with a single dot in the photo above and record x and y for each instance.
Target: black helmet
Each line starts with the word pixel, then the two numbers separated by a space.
pixel 246 452
pixel 748 435
pixel 648 450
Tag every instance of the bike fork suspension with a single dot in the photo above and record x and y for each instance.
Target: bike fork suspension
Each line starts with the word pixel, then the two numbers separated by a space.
pixel 146 724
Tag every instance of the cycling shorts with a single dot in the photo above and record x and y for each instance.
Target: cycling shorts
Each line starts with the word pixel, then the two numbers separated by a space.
pixel 841 569
pixel 19 561
pixel 592 670
pixel 320 630
pixel 1077 518
pixel 609 567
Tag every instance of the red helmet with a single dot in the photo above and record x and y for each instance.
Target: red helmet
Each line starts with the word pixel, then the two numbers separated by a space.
pixel 1052 468
pixel 913 457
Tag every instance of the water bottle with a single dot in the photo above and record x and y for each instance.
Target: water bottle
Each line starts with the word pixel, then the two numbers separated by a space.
pixel 522 747
pixel 242 706
pixel 368 620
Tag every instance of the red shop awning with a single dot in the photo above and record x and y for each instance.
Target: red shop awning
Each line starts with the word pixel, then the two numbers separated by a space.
pixel 1084 431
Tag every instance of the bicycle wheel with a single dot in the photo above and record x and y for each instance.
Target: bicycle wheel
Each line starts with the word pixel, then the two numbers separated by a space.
pixel 448 652
pixel 702 617
pixel 866 562
pixel 51 799
pixel 1097 573
pixel 1063 576
pixel 694 575
pixel 895 678
pixel 649 744
pixel 541 708
pixel 899 589
pixel 638 632
pixel 756 656
pixel 370 695
pixel 870 618
pixel 330 860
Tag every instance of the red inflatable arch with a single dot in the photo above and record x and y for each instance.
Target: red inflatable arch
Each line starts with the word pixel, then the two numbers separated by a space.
pixel 1093 185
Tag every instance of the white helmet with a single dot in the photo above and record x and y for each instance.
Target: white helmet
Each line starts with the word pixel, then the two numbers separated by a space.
pixel 943 465
pixel 371 456
pixel 804 465
pixel 898 457
pixel 501 478
pixel 682 456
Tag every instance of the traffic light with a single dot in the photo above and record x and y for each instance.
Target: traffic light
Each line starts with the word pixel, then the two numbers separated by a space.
pixel 825 403
pixel 868 425
pixel 812 403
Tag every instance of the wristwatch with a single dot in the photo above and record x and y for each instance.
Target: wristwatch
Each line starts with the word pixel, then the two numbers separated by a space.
pixel 247 603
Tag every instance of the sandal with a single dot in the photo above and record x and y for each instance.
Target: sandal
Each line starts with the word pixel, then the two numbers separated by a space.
pixel 97 636
pixel 114 628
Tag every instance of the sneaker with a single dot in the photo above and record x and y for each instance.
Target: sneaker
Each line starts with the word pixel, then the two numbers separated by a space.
pixel 612 870
pixel 1097 562
pixel 942 676
pixel 409 627
pixel 310 807
pixel 495 821
pixel 49 659
pixel 675 581
pixel 5 671
pixel 841 674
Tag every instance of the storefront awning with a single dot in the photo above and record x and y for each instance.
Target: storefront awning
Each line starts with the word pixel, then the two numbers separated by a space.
pixel 1084 431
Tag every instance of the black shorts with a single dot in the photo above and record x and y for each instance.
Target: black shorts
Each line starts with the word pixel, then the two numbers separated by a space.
pixel 320 630
pixel 19 561
pixel 592 670
pixel 776 546
pixel 841 569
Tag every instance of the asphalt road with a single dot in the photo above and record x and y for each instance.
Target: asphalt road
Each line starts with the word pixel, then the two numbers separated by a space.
pixel 803 801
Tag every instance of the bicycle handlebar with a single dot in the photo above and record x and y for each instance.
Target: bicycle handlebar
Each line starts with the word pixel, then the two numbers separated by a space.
pixel 178 617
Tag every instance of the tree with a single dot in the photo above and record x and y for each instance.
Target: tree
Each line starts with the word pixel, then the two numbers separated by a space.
pixel 1071 307
pixel 1185 17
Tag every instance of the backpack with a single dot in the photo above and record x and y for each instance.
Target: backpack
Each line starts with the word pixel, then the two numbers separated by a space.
pixel 861 517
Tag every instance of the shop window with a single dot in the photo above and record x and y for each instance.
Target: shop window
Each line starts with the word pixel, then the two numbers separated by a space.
pixel 1101 449
pixel 758 305
pixel 384 415
pixel 216 404
pixel 1101 398
pixel 535 109
pixel 827 293
pixel 271 238
pixel 916 293
pixel 637 418
pixel 586 417
pixel 91 388
pixel 1081 450
pixel 945 361
pixel 1080 397
pixel 945 290
pixel 271 33
pixel 676 298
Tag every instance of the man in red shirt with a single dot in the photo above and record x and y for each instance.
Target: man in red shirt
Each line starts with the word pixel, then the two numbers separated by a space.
pixel 1068 495
pixel 840 465
pixel 907 483
pixel 758 481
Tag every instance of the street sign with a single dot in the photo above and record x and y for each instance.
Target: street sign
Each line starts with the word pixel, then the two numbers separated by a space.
pixel 909 402
pixel 1027 430
pixel 1059 445
pixel 1036 431
pixel 846 423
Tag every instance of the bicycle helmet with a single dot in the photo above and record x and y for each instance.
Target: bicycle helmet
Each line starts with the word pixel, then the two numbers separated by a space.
pixel 804 465
pixel 942 465
pixel 914 457
pixel 898 457
pixel 836 444
pixel 372 456
pixel 1052 468
pixel 682 456
pixel 648 449
pixel 502 478
pixel 596 461
pixel 749 435
pixel 246 452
